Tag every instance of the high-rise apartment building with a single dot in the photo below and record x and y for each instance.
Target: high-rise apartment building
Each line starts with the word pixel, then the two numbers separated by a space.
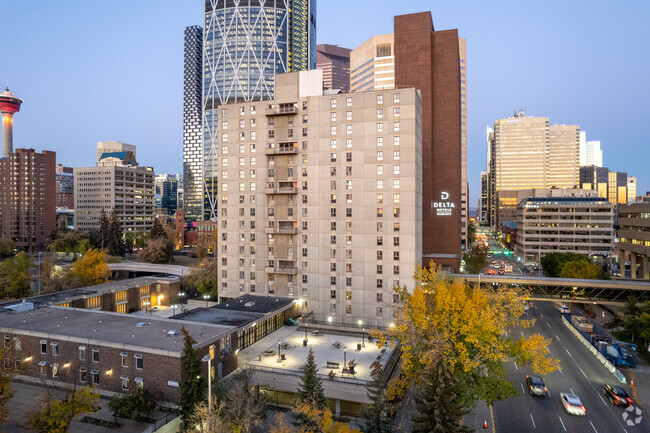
pixel 64 187
pixel 335 63
pixel 590 152
pixel 372 64
pixel 416 55
pixel 124 186
pixel 192 124
pixel 27 198
pixel 320 197
pixel 244 45
pixel 526 153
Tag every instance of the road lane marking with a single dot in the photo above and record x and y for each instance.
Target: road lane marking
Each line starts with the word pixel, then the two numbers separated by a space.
pixel 522 334
pixel 561 371
pixel 548 351
pixel 522 388
pixel 558 338
pixel 572 391
pixel 592 426
pixel 541 315
pixel 562 423
pixel 583 373
pixel 534 426
pixel 602 400
pixel 548 324
pixel 567 351
pixel 549 393
pixel 516 368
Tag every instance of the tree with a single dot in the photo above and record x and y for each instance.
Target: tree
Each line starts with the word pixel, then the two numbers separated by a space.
pixel 6 390
pixel 138 405
pixel 552 262
pixel 376 415
pixel 281 424
pixel 631 317
pixel 55 416
pixel 158 250
pixel 67 241
pixel 439 408
pixel 471 322
pixel 104 230
pixel 91 268
pixel 7 247
pixel 116 236
pixel 475 261
pixel 310 396
pixel 15 276
pixel 581 268
pixel 244 405
pixel 192 381
pixel 157 230
pixel 204 420
pixel 204 279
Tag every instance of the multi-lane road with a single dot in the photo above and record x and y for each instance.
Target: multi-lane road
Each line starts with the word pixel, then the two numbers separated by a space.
pixel 581 374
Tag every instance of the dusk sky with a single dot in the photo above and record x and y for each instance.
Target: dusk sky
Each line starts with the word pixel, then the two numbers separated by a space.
pixel 96 70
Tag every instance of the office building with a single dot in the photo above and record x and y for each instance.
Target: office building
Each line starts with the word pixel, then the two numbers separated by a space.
pixel 526 153
pixel 192 124
pixel 634 232
pixel 335 63
pixel 581 225
pixel 328 209
pixel 115 153
pixel 617 187
pixel 595 179
pixel 115 183
pixel 631 189
pixel 64 187
pixel 166 192
pixel 275 37
pixel 483 201
pixel 372 64
pixel 611 185
pixel 590 152
pixel 28 198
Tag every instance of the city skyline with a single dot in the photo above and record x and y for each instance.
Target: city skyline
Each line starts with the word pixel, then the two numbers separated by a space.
pixel 556 67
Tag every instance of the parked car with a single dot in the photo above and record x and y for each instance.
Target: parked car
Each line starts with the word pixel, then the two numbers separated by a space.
pixel 572 404
pixel 617 395
pixel 536 385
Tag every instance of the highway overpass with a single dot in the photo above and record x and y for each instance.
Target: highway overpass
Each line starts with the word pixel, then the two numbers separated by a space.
pixel 613 291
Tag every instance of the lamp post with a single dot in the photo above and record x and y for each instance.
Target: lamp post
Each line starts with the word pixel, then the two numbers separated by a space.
pixel 206 297
pixel 363 337
pixel 345 357
pixel 181 295
pixel 306 324
pixel 479 280
pixel 209 361
pixel 279 351
pixel 174 309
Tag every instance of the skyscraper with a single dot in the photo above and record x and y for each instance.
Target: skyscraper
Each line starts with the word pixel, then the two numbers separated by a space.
pixel 590 152
pixel 372 64
pixel 335 63
pixel 192 126
pixel 245 43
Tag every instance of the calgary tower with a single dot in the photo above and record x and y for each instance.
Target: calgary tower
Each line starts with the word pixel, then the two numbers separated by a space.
pixel 9 105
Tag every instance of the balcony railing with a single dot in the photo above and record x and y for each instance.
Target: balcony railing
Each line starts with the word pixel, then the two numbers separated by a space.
pixel 281 110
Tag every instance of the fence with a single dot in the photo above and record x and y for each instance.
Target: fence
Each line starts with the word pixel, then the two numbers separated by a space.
pixel 323 377
pixel 161 422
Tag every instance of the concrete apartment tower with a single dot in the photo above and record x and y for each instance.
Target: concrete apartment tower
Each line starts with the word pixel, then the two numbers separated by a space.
pixel 335 64
pixel 320 198
pixel 27 198
pixel 245 44
pixel 192 125
pixel 435 63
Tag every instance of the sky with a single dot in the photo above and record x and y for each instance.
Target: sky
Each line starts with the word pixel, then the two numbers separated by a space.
pixel 99 70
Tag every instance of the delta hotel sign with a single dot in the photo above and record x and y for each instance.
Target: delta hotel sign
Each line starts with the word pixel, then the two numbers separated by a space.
pixel 444 207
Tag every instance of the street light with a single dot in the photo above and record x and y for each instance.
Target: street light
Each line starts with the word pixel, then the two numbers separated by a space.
pixel 345 357
pixel 206 297
pixel 181 295
pixel 479 280
pixel 174 309
pixel 363 337
pixel 279 351
pixel 209 360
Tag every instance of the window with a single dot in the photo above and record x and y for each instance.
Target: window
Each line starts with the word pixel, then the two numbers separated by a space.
pixel 380 311
pixel 380 155
pixel 380 113
pixel 348 170
pixel 380 98
pixel 125 382
pixel 348 115
pixel 395 255
pixel 380 184
pixel 395 97
pixel 396 112
pixel 380 141
pixel 380 255
pixel 43 367
pixel 224 137
pixel 348 101
pixel 380 241
pixel 17 343
pixel 396 227
pixel 348 129
pixel 224 125
pixel 396 212
pixel 380 297
pixel 55 348
pixel 43 347
pixel 396 269
pixel 348 143
pixel 396 169
pixel 396 297
pixel 253 135
pixel 271 133
pixel 333 116
pixel 224 112
pixel 332 294
pixel 348 282
pixel 333 130
pixel 82 375
pixel 396 198
pixel 348 156
pixel 55 370
pixel 7 341
pixel 139 382
pixel 125 359
pixel 380 212
pixel 380 269
pixel 396 155
pixel 348 184
pixel 348 309
pixel 380 170
pixel 380 198
pixel 380 283
pixel 94 374
pixel 396 126
pixel 95 354
pixel 139 362
pixel 380 127
pixel 395 183
pixel 253 124
pixel 82 353
pixel 242 136
pixel 333 103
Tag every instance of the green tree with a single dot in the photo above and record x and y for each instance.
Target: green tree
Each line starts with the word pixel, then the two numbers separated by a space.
pixel 310 395
pixel 475 261
pixel 7 248
pixel 192 381
pixel 67 241
pixel 376 415
pixel 6 390
pixel 437 399
pixel 472 323
pixel 55 416
pixel 581 268
pixel 157 230
pixel 116 236
pixel 552 262
pixel 15 276
pixel 104 230
pixel 204 279
pixel 91 268
pixel 631 317
pixel 138 405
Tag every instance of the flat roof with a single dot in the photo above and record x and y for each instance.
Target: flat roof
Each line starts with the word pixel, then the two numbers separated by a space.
pixel 102 328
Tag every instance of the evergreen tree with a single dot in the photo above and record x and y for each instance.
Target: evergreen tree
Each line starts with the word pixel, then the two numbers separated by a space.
pixel 116 236
pixel 437 401
pixel 376 415
pixel 104 229
pixel 192 381
pixel 310 394
pixel 157 230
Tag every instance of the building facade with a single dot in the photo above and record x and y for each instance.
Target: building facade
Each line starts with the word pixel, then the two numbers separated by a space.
pixel 372 64
pixel 64 187
pixel 634 232
pixel 483 201
pixel 590 152
pixel 245 44
pixel 124 186
pixel 335 64
pixel 28 198
pixel 631 189
pixel 192 123
pixel 166 192
pixel 320 197
pixel 581 225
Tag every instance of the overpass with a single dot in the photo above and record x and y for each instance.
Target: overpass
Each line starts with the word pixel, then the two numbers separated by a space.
pixel 150 268
pixel 568 289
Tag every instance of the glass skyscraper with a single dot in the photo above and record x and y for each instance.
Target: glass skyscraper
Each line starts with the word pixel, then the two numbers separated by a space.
pixel 245 43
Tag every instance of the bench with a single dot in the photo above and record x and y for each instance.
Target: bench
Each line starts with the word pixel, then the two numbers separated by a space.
pixel 332 364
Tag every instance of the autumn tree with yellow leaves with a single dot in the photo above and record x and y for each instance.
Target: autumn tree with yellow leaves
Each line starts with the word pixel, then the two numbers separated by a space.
pixel 91 268
pixel 468 325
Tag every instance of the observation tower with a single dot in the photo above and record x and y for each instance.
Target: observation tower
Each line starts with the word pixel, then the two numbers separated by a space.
pixel 9 105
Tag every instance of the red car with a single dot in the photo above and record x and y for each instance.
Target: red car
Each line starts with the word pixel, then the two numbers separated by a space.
pixel 490 271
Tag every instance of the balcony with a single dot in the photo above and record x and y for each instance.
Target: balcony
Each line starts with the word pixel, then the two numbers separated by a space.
pixel 282 149
pixel 284 270
pixel 281 230
pixel 281 188
pixel 282 110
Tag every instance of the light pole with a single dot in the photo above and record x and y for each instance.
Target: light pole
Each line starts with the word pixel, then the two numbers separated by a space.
pixel 209 361
pixel 363 337
pixel 345 357
pixel 479 280
pixel 174 309
pixel 279 351
pixel 206 297
pixel 181 295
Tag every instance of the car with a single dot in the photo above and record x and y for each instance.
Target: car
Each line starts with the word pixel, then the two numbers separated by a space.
pixel 617 395
pixel 536 386
pixel 565 310
pixel 501 272
pixel 154 309
pixel 572 404
pixel 493 261
pixel 490 271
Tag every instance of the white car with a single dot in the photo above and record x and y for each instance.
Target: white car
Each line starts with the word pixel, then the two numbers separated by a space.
pixel 565 310
pixel 572 404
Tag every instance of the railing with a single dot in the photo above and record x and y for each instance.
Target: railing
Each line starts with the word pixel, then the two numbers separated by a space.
pixel 281 150
pixel 323 377
pixel 277 111
pixel 282 190
pixel 170 416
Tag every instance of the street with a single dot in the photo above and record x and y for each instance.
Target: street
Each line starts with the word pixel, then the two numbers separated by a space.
pixel 581 374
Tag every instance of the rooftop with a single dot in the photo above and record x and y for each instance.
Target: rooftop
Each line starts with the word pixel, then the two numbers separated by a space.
pixel 150 335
